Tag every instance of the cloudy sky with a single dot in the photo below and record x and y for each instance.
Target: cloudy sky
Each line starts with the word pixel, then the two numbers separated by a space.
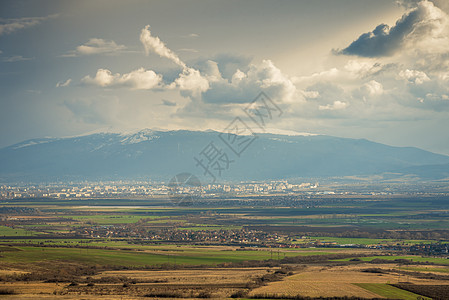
pixel 362 69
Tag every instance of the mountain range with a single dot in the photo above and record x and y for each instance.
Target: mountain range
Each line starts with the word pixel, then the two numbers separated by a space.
pixel 159 155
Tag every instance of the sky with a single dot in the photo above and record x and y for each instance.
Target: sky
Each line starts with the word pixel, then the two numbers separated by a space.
pixel 377 70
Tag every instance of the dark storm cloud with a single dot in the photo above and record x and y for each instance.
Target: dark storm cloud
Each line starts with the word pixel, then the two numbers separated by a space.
pixel 383 40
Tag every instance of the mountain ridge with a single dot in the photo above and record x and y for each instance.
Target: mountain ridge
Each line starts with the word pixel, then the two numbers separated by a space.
pixel 159 155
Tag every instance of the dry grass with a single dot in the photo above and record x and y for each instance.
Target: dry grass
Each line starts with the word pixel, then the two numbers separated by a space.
pixel 312 281
pixel 11 272
pixel 32 287
pixel 203 276
pixel 219 283
pixel 317 281
pixel 72 297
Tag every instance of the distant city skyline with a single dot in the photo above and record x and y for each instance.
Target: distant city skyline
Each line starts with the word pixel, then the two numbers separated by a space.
pixel 360 69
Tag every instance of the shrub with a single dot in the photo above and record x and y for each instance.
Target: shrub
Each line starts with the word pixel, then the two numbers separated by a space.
pixel 240 294
pixel 6 291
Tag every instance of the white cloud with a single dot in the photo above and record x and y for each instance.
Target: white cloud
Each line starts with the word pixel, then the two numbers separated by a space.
pixel 191 80
pixel 212 71
pixel 238 75
pixel 103 78
pixel 11 25
pixel 273 79
pixel 337 105
pixel 373 88
pixel 64 83
pixel 362 68
pixel 327 75
pixel 140 79
pixel 153 43
pixel 415 76
pixel 207 85
pixel 242 86
pixel 96 46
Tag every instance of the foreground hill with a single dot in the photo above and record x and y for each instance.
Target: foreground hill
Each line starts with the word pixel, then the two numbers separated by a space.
pixel 162 154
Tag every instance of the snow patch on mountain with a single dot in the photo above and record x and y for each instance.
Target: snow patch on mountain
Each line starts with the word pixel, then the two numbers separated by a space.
pixel 139 137
pixel 31 143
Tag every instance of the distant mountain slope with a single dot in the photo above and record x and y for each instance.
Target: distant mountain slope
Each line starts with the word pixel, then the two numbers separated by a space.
pixel 160 155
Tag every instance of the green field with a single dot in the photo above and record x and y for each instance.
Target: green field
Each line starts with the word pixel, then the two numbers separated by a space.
pixel 8 231
pixel 211 227
pixel 155 256
pixel 110 219
pixel 367 241
pixel 389 292
pixel 441 261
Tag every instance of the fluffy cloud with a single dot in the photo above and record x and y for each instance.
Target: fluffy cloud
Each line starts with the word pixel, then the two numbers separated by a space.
pixel 417 77
pixel 191 80
pixel 153 43
pixel 8 26
pixel 140 79
pixel 373 88
pixel 221 82
pixel 422 23
pixel 242 86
